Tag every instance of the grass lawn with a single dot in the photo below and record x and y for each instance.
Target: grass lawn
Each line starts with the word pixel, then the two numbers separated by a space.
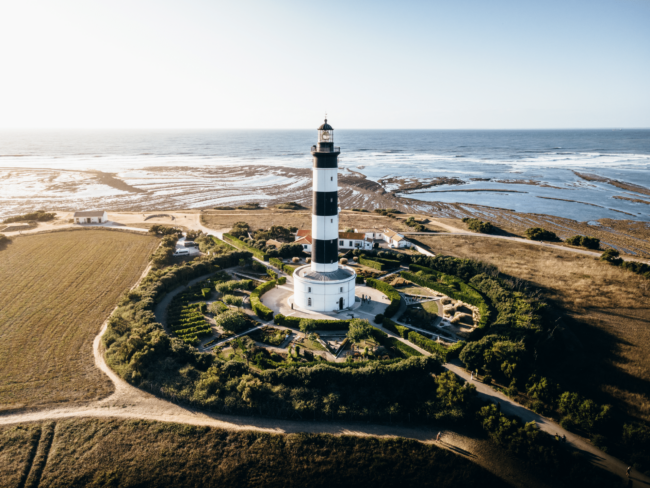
pixel 431 307
pixel 57 290
pixel 417 290
pixel 121 452
pixel 606 309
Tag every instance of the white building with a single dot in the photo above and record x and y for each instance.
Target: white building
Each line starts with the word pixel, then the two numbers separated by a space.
pixel 347 240
pixel 354 240
pixel 371 234
pixel 324 285
pixel 395 239
pixel 90 217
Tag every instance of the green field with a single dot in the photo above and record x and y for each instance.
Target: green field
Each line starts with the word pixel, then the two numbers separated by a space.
pixel 57 290
pixel 431 307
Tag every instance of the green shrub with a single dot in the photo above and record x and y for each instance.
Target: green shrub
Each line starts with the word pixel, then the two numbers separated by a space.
pixel 242 245
pixel 39 216
pixel 379 318
pixel 392 294
pixel 394 327
pixel 477 225
pixel 401 349
pixel 372 264
pixel 294 323
pixel 389 263
pixel 282 280
pixel 359 329
pixel 446 354
pixel 359 280
pixel 584 241
pixel 261 310
pixel 4 240
pixel 539 234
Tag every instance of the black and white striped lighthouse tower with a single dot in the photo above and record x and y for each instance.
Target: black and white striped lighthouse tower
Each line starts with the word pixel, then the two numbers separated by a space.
pixel 325 208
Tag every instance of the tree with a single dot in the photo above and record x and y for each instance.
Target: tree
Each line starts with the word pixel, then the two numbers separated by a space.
pixel 243 348
pixel 232 320
pixel 240 229
pixel 359 329
pixel 451 392
pixel 242 263
pixel 611 256
pixel 307 326
pixel 217 307
pixel 539 234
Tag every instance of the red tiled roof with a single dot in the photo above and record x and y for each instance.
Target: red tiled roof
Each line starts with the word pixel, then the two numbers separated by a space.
pixel 304 240
pixel 352 235
pixel 303 232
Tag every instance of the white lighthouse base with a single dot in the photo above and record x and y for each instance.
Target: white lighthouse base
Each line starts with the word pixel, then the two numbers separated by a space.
pixel 324 291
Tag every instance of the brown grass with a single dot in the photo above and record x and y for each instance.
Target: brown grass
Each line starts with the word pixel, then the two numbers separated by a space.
pixel 112 452
pixel 57 289
pixel 264 218
pixel 606 309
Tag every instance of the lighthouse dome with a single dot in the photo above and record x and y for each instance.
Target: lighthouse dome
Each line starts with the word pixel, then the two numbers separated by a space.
pixel 326 126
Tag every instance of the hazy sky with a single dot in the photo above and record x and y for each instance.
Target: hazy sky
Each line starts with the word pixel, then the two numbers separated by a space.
pixel 282 64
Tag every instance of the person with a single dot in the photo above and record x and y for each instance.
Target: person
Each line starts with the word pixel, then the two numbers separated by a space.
pixel 438 436
pixel 471 376
pixel 291 305
pixel 564 438
pixel 629 471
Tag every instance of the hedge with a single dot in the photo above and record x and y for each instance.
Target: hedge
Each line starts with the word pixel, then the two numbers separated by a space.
pixel 261 310
pixel 287 268
pixel 271 273
pixel 242 245
pixel 360 280
pixel 446 353
pixel 294 323
pixel 391 342
pixel 282 280
pixel 394 327
pixel 390 292
pixel 465 293
pixel 391 263
pixel 372 264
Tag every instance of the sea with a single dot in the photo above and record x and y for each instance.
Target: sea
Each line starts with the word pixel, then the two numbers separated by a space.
pixel 532 170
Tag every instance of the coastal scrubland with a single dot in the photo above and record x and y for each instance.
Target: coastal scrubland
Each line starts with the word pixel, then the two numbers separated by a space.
pixel 57 289
pixel 267 217
pixel 129 453
pixel 605 313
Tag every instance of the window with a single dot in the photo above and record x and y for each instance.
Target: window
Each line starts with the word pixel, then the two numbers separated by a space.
pixel 350 243
pixel 331 199
pixel 331 178
pixel 309 290
pixel 309 301
pixel 341 289
pixel 341 243
pixel 331 221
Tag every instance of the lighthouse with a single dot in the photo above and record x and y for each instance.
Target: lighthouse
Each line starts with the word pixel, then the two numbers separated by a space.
pixel 324 285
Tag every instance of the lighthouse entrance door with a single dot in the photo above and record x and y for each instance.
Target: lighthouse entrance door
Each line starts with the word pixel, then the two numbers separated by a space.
pixel 341 303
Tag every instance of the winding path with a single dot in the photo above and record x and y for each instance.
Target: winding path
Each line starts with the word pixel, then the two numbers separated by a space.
pixel 130 402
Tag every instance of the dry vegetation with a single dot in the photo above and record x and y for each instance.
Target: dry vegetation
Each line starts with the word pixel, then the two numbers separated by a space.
pixel 111 452
pixel 263 218
pixel 57 289
pixel 606 311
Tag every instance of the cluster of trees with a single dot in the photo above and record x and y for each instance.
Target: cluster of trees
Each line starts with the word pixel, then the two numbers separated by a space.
pixel 276 232
pixel 387 212
pixel 612 256
pixel 165 230
pixel 539 234
pixel 584 241
pixel 163 255
pixel 477 225
pixel 540 449
pixel 211 245
pixel 4 240
pixel 415 225
pixel 290 206
pixel 39 216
